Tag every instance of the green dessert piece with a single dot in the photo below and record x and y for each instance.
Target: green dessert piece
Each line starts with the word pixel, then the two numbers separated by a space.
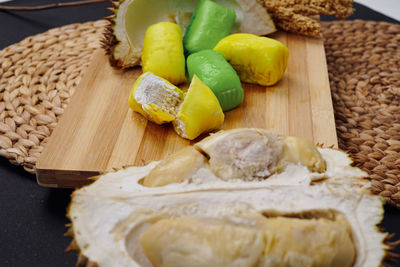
pixel 213 70
pixel 210 23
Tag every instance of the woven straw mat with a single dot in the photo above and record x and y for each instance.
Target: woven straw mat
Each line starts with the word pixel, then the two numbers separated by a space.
pixel 39 74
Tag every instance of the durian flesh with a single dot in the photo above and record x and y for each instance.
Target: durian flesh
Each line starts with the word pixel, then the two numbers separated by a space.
pixel 257 241
pixel 132 17
pixel 324 219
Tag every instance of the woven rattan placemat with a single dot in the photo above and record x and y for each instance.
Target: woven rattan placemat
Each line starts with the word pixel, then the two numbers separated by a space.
pixel 364 73
pixel 37 78
pixel 39 74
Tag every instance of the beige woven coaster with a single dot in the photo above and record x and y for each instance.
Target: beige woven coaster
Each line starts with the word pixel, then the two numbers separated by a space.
pixel 364 73
pixel 39 74
pixel 37 78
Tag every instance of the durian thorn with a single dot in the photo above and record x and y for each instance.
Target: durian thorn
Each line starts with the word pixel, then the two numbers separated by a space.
pixel 69 232
pixel 92 264
pixel 104 45
pixel 392 244
pixel 115 3
pixel 72 246
pixel 82 261
pixel 94 178
pixel 393 256
pixel 390 255
pixel 109 18
pixel 107 38
pixel 113 10
pixel 108 33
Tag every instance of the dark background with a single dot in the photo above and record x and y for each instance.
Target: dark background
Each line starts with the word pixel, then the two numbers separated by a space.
pixel 32 218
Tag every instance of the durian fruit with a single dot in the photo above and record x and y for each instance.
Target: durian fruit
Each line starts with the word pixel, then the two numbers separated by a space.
pixel 280 240
pixel 289 219
pixel 239 153
pixel 123 38
pixel 155 98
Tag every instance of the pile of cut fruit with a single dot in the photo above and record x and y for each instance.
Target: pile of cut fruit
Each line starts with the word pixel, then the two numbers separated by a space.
pixel 217 62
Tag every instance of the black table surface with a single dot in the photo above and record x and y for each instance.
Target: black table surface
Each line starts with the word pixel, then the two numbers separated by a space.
pixel 32 218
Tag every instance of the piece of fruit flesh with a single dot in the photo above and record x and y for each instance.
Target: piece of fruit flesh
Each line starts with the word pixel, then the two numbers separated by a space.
pixel 133 17
pixel 244 153
pixel 163 52
pixel 213 70
pixel 278 241
pixel 176 168
pixel 200 111
pixel 302 151
pixel 190 242
pixel 210 23
pixel 238 154
pixel 256 59
pixel 307 242
pixel 257 153
pixel 155 98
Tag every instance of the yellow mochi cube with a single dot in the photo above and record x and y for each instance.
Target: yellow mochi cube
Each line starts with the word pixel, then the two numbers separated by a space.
pixel 155 98
pixel 200 111
pixel 256 59
pixel 163 52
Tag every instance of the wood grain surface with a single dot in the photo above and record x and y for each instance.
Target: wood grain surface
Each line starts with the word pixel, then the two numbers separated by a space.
pixel 98 132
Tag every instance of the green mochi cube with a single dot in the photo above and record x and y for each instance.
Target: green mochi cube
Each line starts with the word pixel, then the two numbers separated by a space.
pixel 210 23
pixel 213 70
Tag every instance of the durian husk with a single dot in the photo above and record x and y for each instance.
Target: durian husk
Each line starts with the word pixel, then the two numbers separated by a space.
pixel 118 202
pixel 109 41
pixel 304 200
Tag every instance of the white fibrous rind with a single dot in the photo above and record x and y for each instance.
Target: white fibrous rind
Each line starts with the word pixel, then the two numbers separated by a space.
pixel 108 216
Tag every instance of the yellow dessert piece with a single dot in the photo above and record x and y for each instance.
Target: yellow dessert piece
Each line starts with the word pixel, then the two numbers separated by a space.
pixel 200 111
pixel 256 59
pixel 163 52
pixel 155 98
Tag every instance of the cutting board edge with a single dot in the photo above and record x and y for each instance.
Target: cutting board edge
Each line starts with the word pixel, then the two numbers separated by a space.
pixel 67 178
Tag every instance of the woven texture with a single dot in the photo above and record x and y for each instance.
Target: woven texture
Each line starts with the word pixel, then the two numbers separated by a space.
pixel 39 74
pixel 364 73
pixel 37 78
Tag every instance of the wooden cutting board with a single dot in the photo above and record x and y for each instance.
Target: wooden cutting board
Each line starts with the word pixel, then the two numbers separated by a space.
pixel 98 131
